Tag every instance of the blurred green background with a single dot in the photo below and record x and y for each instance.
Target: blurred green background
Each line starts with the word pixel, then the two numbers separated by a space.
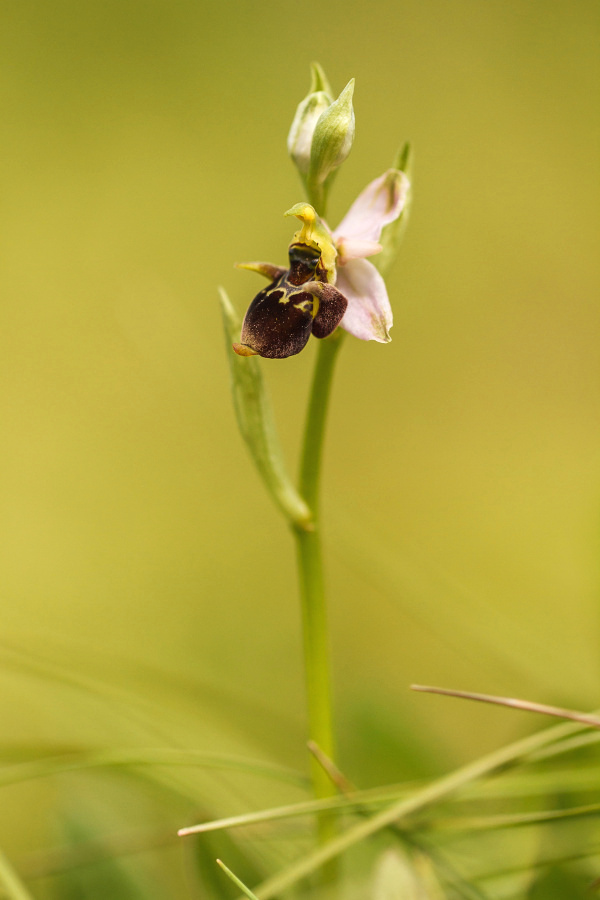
pixel 143 152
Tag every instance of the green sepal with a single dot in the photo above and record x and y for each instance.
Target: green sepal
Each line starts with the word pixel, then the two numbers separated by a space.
pixel 393 234
pixel 319 80
pixel 404 159
pixel 257 425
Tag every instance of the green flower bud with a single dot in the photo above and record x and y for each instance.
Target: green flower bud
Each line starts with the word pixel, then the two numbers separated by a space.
pixel 332 137
pixel 300 138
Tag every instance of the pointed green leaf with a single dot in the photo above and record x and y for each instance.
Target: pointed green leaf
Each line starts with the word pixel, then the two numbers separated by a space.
pixel 257 425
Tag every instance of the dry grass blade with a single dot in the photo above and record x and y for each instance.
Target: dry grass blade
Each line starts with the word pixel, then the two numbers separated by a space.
pixel 526 705
pixel 338 779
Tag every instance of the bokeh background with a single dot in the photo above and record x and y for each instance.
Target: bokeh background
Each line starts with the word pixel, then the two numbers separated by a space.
pixel 142 566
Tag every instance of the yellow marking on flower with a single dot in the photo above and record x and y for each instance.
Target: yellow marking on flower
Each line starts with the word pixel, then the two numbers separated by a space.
pixel 315 234
pixel 303 305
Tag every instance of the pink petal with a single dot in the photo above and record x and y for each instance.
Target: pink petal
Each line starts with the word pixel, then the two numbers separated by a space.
pixel 355 249
pixel 379 204
pixel 369 314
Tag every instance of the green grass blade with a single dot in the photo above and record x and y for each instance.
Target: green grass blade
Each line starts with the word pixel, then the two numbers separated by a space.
pixel 519 785
pixel 41 768
pixel 514 820
pixel 237 881
pixel 11 886
pixel 240 854
pixel 435 792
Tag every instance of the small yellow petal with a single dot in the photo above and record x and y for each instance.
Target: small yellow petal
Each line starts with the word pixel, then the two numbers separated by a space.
pixel 244 350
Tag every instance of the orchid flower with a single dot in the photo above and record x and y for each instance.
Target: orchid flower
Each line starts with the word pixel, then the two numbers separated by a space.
pixel 369 314
pixel 329 281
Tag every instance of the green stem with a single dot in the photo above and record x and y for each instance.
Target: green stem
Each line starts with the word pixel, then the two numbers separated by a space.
pixel 312 587
pixel 312 448
pixel 317 196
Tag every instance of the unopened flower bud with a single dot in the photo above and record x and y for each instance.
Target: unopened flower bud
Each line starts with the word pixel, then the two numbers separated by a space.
pixel 333 136
pixel 300 138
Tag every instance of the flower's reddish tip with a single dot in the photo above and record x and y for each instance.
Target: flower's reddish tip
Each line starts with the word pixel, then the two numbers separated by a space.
pixel 244 350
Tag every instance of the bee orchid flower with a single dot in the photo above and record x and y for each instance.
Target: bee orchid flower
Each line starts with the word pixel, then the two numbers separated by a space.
pixel 369 314
pixel 329 281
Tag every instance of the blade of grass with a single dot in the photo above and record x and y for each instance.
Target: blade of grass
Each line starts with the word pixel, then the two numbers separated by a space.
pixel 337 778
pixel 524 705
pixel 237 881
pixel 133 709
pixel 525 785
pixel 11 886
pixel 567 746
pixel 541 862
pixel 434 792
pixel 310 807
pixel 531 784
pixel 512 820
pixel 345 787
pixel 41 768
pixel 244 858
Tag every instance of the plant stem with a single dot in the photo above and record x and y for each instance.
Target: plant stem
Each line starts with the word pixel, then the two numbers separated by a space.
pixel 317 196
pixel 312 587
